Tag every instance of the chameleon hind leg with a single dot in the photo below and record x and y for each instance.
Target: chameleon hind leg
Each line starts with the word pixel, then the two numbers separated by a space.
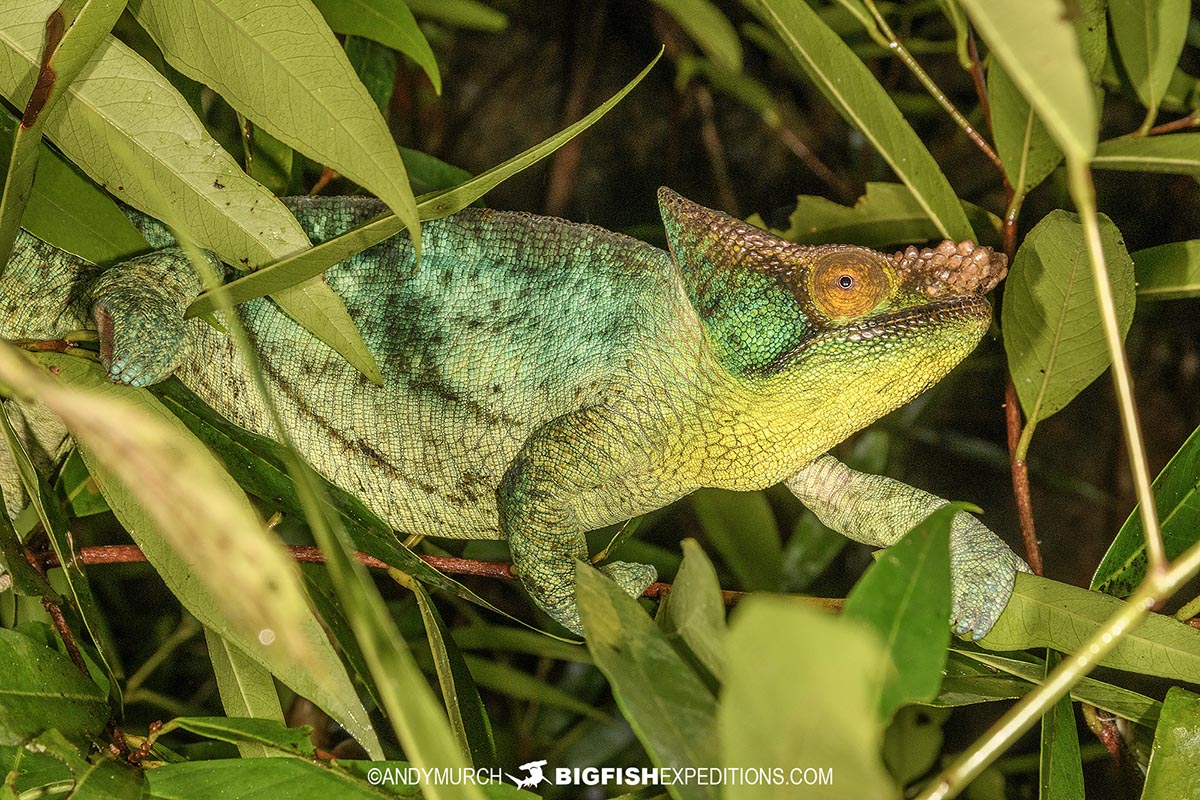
pixel 138 308
pixel 573 474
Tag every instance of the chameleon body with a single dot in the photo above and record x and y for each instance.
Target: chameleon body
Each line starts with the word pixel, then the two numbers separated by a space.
pixel 544 378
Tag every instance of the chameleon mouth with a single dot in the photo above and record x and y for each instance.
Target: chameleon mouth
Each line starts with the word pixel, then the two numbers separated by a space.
pixel 952 310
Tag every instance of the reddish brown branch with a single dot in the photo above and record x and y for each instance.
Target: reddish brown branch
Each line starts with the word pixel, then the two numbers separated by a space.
pixel 1020 478
pixel 131 554
pixel 1192 120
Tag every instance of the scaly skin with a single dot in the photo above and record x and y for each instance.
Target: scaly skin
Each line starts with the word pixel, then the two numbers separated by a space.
pixel 542 379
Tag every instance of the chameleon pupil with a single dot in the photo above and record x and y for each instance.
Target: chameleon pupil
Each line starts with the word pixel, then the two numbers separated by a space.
pixel 845 281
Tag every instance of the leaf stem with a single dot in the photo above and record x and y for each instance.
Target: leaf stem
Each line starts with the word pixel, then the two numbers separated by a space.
pixel 893 43
pixel 1083 191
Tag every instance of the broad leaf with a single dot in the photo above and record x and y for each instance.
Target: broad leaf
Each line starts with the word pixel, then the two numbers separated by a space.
pixel 694 610
pixel 1045 613
pixel 1026 148
pixel 1051 321
pixel 803 688
pixel 1172 772
pixel 1038 48
pixel 41 689
pixel 905 598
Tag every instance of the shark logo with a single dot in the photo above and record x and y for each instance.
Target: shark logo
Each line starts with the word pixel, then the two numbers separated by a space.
pixel 534 775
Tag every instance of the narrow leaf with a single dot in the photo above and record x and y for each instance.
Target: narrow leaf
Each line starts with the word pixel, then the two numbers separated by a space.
pixel 1177 498
pixel 246 688
pixel 672 713
pixel 852 89
pixel 1061 767
pixel 742 528
pixel 236 730
pixel 1038 48
pixel 470 14
pixel 1177 154
pixel 310 263
pixel 1026 148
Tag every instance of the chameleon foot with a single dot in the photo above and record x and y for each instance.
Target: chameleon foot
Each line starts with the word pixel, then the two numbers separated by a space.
pixel 983 570
pixel 633 578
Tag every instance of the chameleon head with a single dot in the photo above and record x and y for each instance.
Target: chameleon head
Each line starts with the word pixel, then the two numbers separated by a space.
pixel 842 328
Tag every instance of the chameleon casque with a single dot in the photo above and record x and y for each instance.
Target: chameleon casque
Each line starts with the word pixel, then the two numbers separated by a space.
pixel 544 378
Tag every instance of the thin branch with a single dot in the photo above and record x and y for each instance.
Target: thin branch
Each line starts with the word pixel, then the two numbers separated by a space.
pixel 1020 478
pixel 132 554
pixel 1192 120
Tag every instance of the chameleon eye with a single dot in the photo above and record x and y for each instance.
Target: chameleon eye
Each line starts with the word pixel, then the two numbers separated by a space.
pixel 848 283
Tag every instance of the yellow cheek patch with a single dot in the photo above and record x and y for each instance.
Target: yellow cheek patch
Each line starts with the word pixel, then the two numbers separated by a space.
pixel 848 284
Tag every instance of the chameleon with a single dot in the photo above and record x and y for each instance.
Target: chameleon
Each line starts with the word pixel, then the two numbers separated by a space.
pixel 543 378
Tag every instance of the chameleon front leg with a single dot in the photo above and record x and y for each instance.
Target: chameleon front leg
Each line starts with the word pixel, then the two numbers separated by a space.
pixel 877 511
pixel 574 474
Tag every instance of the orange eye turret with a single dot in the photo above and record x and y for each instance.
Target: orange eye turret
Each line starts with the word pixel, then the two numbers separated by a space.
pixel 848 284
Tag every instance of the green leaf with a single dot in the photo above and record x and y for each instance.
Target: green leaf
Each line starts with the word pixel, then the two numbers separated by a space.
pixel 469 14
pixel 272 734
pixel 1026 148
pixel 69 211
pixel 156 155
pixel 199 532
pixel 468 717
pixel 1061 766
pixel 76 487
pixel 1114 699
pixel 905 598
pixel 53 517
pixel 1177 498
pixel 482 636
pixel 809 551
pixel 41 689
pixel 694 610
pixel 1172 772
pixel 742 528
pixel 672 713
pixel 802 688
pixel 852 89
pixel 512 682
pixel 1039 49
pixel 376 65
pixel 913 742
pixel 280 66
pixel 73 32
pixel 389 22
pixel 709 28
pixel 1177 154
pixel 1169 271
pixel 310 263
pixel 887 215
pixel 246 688
pixel 1149 35
pixel 1051 321
pixel 237 779
pixel 1045 613
pixel 1091 26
